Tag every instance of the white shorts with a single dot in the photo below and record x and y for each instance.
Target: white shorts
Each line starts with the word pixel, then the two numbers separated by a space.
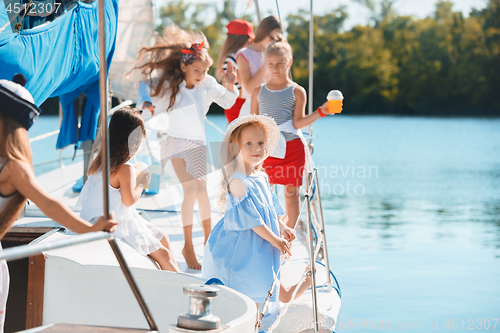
pixel 193 152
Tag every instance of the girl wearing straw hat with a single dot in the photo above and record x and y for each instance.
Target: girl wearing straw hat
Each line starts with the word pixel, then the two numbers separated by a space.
pixel 252 234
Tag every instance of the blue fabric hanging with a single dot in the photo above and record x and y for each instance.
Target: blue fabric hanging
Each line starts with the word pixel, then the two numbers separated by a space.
pixel 62 59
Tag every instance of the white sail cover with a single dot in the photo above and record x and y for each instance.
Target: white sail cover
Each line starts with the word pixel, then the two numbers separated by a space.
pixel 135 29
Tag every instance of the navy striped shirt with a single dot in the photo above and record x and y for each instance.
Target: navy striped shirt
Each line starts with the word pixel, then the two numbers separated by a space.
pixel 278 104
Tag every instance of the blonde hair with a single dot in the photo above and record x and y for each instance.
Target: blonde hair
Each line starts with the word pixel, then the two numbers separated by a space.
pixel 14 146
pixel 265 27
pixel 229 160
pixel 280 47
pixel 232 45
pixel 164 60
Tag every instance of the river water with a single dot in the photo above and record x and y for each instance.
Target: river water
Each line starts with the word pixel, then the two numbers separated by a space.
pixel 412 207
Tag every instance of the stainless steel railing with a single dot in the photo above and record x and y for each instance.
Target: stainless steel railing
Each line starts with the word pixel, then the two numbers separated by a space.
pixel 312 202
pixel 24 251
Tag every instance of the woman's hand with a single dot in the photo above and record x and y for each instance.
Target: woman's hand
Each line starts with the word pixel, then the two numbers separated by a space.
pixel 144 178
pixel 150 107
pixel 282 245
pixel 104 224
pixel 229 76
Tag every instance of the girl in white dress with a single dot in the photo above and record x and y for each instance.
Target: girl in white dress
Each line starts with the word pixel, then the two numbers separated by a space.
pixel 126 131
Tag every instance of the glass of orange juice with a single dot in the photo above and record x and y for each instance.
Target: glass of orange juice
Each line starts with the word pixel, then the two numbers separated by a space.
pixel 335 99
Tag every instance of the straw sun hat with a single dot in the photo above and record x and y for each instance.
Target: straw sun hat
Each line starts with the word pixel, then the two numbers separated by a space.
pixel 272 134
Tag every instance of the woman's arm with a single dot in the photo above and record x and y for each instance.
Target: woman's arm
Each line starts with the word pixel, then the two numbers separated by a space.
pixel 125 176
pixel 248 82
pixel 23 179
pixel 300 120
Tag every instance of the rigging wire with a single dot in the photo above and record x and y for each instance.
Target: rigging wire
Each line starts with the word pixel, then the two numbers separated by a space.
pixel 270 292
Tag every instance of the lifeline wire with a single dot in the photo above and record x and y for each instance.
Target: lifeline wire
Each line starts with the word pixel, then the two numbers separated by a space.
pixel 270 292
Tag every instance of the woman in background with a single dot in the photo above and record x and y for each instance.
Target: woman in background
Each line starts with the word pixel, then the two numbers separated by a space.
pixel 239 35
pixel 250 60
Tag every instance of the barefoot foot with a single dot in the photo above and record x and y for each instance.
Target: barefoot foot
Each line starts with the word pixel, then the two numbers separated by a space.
pixel 190 257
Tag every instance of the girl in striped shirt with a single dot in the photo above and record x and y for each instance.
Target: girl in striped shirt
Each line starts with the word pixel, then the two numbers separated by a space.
pixel 285 101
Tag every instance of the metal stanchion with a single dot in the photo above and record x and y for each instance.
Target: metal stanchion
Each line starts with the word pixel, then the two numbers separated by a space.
pixel 312 261
pixel 103 92
pixel 133 285
pixel 325 248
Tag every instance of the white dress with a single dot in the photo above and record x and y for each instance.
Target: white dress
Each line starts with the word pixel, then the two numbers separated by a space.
pixel 132 228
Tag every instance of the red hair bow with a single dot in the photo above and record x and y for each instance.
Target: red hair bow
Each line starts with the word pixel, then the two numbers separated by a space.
pixel 193 52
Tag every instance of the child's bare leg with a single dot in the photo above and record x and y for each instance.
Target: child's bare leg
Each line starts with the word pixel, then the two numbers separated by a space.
pixel 187 211
pixel 166 242
pixel 188 249
pixel 292 201
pixel 204 205
pixel 165 259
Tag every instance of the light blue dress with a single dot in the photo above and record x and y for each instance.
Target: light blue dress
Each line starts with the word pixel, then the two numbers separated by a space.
pixel 234 253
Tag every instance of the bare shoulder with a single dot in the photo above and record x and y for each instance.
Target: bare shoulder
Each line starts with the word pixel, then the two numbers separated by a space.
pixel 237 188
pixel 299 91
pixel 17 169
pixel 256 91
pixel 17 176
pixel 125 171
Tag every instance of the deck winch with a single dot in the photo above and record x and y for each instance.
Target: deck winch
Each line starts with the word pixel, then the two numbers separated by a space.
pixel 199 315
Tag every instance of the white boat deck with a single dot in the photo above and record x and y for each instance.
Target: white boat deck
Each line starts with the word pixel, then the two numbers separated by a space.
pixel 163 210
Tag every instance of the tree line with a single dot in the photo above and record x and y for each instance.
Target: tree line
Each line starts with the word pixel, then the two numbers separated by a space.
pixel 442 65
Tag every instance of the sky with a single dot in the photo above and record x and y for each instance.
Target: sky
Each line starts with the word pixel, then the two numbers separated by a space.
pixel 358 14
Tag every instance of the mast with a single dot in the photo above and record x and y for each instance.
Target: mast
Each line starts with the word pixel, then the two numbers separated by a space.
pixel 103 87
pixel 105 106
pixel 257 10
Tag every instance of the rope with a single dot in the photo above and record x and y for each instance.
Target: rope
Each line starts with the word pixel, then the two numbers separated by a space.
pixel 13 18
pixel 27 7
pixel 339 292
pixel 270 291
pixel 276 323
